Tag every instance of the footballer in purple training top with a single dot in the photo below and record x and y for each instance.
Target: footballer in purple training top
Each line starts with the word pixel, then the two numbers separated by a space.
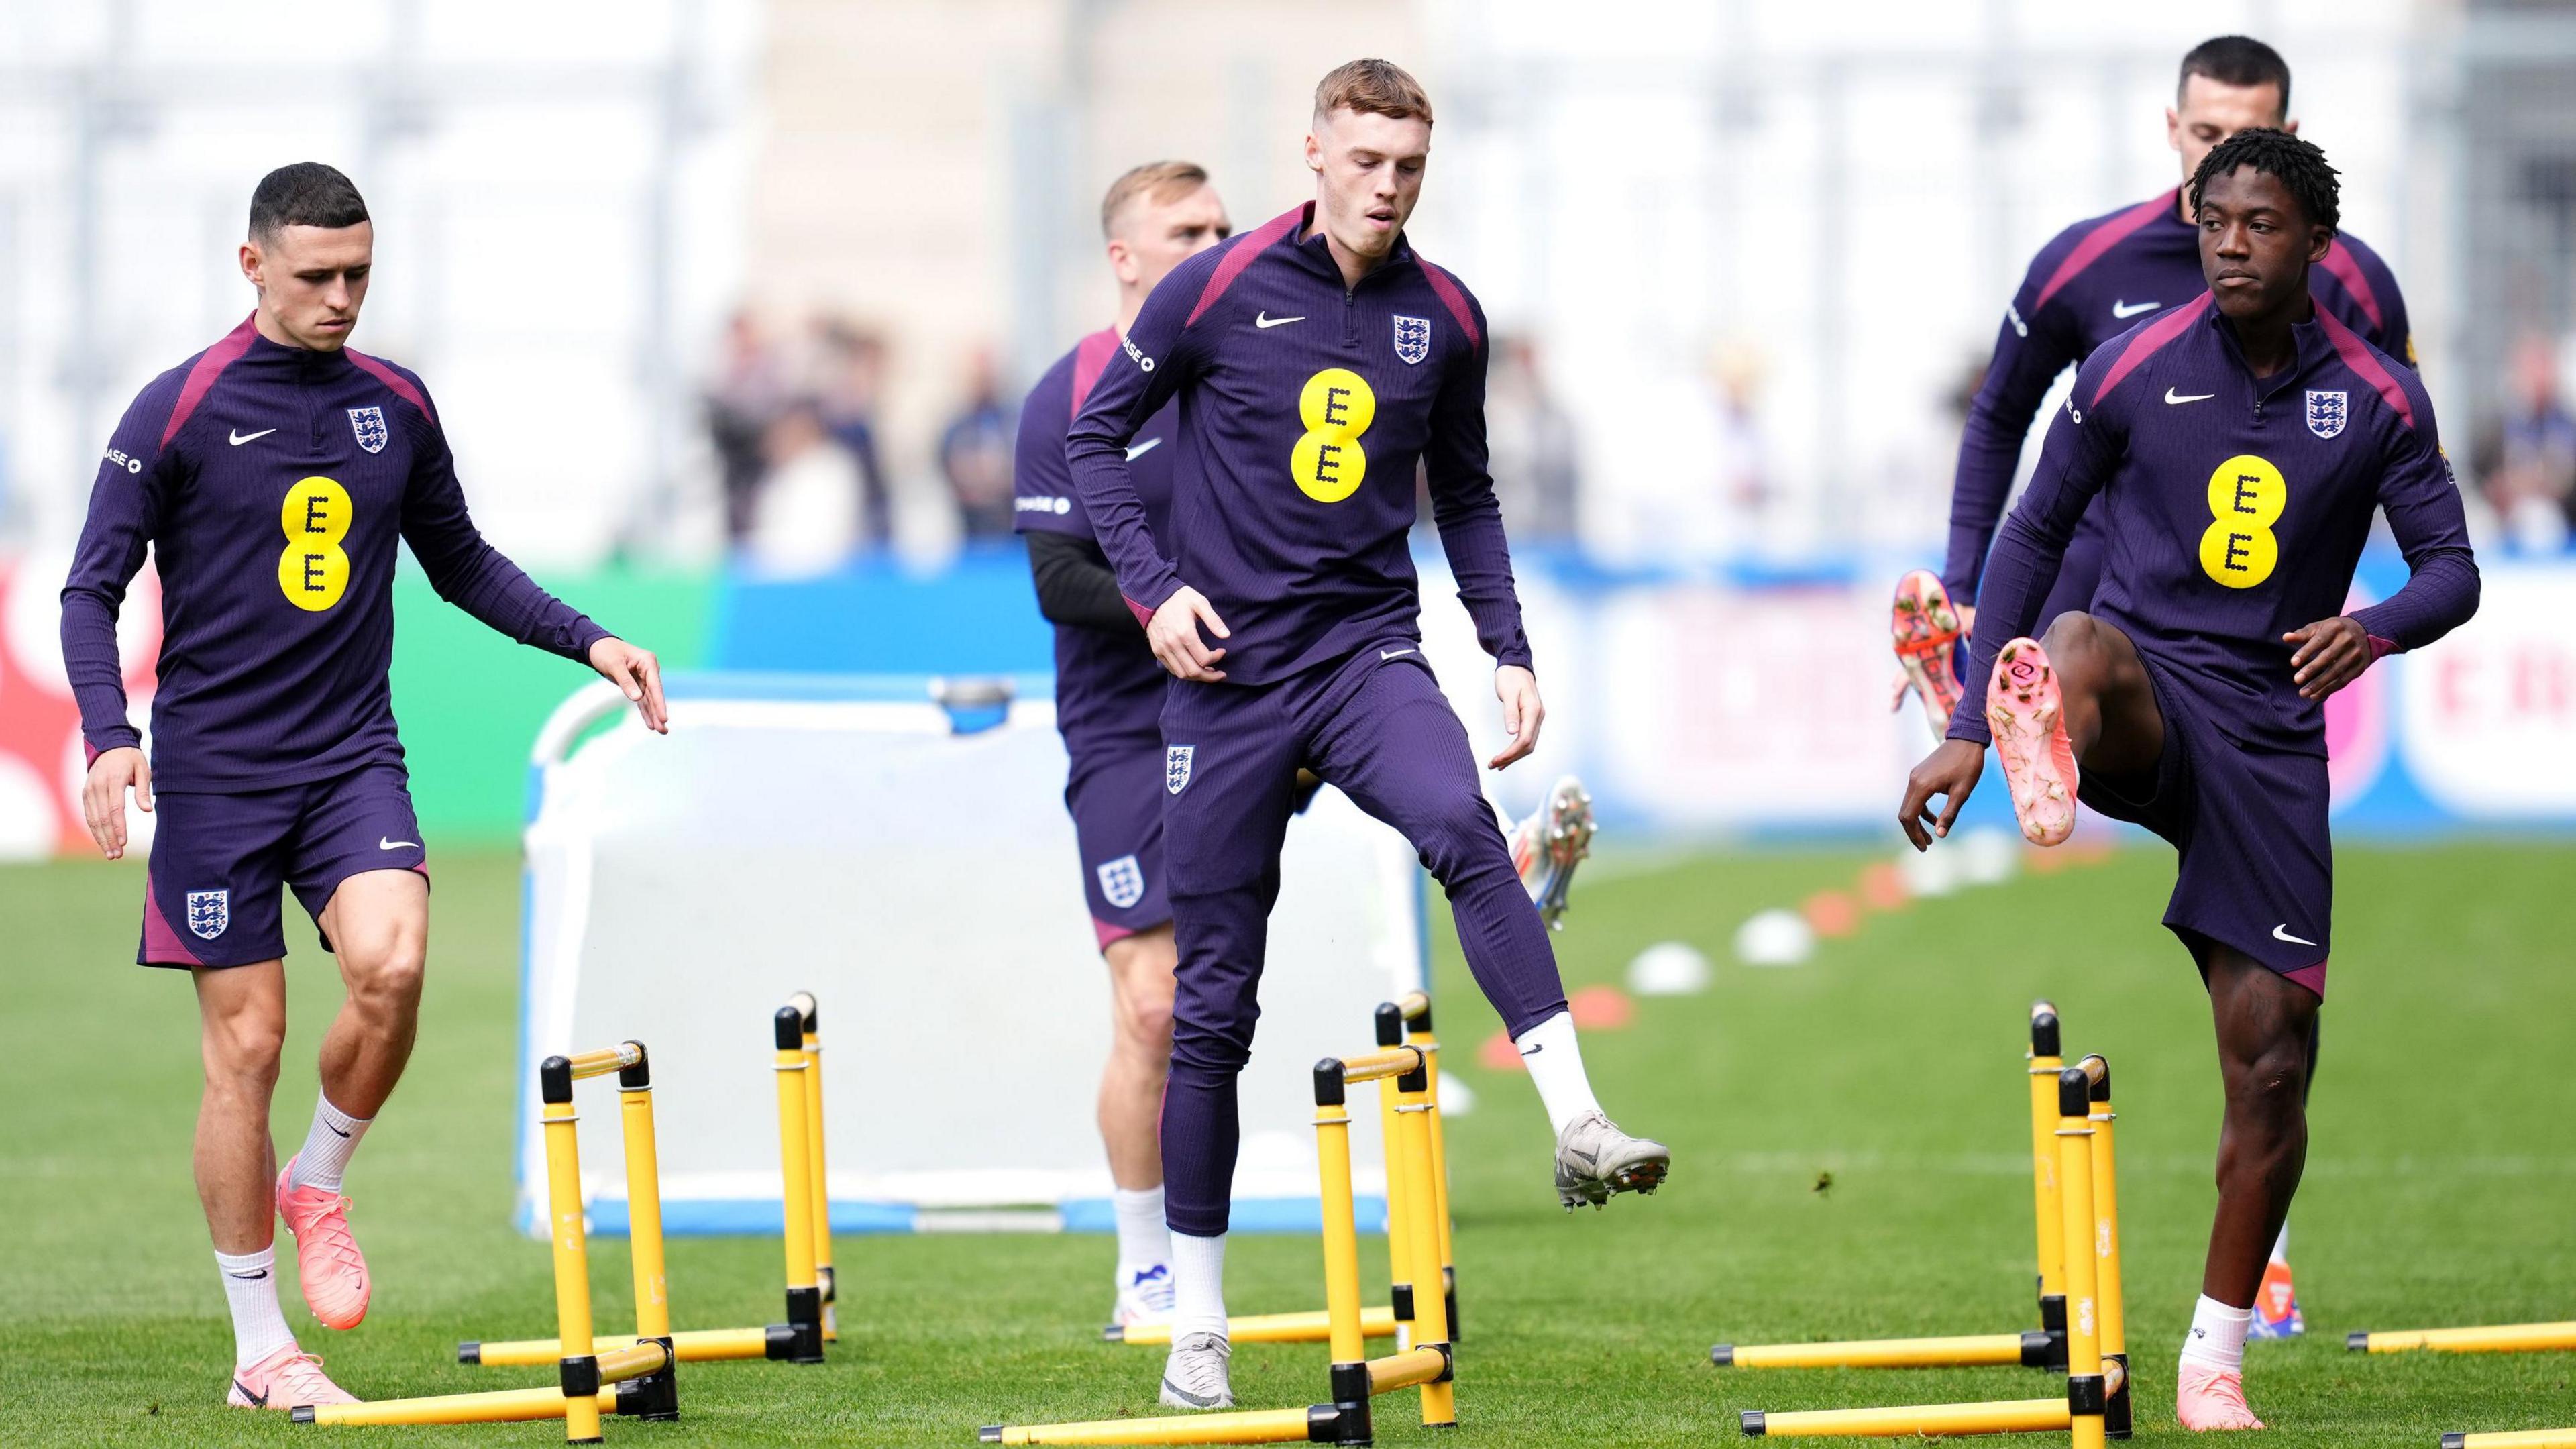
pixel 1316 361
pixel 274 476
pixel 2092 282
pixel 2235 449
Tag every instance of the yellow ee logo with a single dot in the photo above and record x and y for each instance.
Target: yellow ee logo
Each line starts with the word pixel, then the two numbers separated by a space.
pixel 314 571
pixel 1336 407
pixel 2246 496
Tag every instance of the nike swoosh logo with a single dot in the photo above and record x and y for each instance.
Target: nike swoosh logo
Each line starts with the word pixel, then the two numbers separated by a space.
pixel 2281 932
pixel 384 844
pixel 336 1132
pixel 249 1277
pixel 1393 653
pixel 2132 309
pixel 1264 319
pixel 240 438
pixel 1141 449
pixel 2188 397
pixel 257 1401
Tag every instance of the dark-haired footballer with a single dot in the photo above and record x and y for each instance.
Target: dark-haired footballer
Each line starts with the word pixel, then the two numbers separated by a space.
pixel 2237 447
pixel 2092 282
pixel 273 475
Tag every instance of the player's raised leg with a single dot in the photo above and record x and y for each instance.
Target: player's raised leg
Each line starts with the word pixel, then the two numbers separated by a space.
pixel 1131 1111
pixel 1388 738
pixel 2265 1022
pixel 2077 701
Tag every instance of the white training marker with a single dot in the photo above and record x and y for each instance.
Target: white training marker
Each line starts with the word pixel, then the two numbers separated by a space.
pixel 1989 855
pixel 1934 872
pixel 1775 937
pixel 1457 1099
pixel 1669 968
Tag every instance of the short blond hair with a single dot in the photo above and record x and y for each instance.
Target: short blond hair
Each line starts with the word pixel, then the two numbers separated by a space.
pixel 1165 181
pixel 1374 87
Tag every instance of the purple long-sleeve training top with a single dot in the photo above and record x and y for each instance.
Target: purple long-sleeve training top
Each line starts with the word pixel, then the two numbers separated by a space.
pixel 2234 510
pixel 1305 406
pixel 2092 282
pixel 272 484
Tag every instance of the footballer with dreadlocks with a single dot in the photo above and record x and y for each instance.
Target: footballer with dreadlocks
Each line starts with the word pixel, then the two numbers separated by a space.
pixel 2237 445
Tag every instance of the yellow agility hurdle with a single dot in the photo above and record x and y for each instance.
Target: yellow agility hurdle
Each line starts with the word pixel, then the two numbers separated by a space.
pixel 796 1036
pixel 2500 1338
pixel 2042 1349
pixel 1404 1077
pixel 2096 1406
pixel 626 1376
pixel 1399 1023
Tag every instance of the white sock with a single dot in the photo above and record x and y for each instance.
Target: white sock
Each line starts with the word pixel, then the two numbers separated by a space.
pixel 250 1285
pixel 1198 1285
pixel 327 1145
pixel 1555 1063
pixel 2217 1337
pixel 2281 1247
pixel 1143 1241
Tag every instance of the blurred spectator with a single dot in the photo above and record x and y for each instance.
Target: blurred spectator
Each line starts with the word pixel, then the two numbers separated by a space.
pixel 850 382
pixel 742 401
pixel 1531 439
pixel 2527 462
pixel 975 452
pixel 806 517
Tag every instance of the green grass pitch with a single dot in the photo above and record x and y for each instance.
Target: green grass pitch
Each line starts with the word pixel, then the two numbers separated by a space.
pixel 2437 1187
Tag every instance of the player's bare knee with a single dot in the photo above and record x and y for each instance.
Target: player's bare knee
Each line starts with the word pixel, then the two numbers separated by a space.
pixel 385 976
pixel 242 1052
pixel 2270 1085
pixel 1145 1026
pixel 2075 645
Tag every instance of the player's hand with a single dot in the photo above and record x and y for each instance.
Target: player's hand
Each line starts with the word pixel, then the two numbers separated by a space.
pixel 2329 654
pixel 1517 688
pixel 1174 634
pixel 639 674
pixel 1950 771
pixel 103 795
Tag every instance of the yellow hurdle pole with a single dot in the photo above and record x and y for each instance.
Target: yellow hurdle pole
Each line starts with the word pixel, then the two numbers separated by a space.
pixel 1259 1426
pixel 1430 1313
pixel 501 1406
pixel 658 1397
pixel 2116 1411
pixel 2010 1416
pixel 2513 1439
pixel 2085 1391
pixel 823 1274
pixel 1349 1375
pixel 1314 1326
pixel 2029 1350
pixel 1416 1010
pixel 2498 1338
pixel 1401 1277
pixel 2046 1060
pixel 796 1190
pixel 699 1345
pixel 578 1368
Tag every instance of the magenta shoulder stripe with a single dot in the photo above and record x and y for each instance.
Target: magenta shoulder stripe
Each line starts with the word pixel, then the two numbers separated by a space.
pixel 2151 337
pixel 201 378
pixel 1240 255
pixel 399 384
pixel 2347 270
pixel 2101 239
pixel 2357 356
pixel 1091 358
pixel 1455 298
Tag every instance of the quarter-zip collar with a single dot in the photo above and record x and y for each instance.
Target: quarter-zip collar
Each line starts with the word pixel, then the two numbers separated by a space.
pixel 2308 339
pixel 1306 243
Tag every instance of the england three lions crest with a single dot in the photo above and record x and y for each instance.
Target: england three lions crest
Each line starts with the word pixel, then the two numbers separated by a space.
pixel 1122 882
pixel 1176 767
pixel 2327 412
pixel 209 912
pixel 1413 339
pixel 369 425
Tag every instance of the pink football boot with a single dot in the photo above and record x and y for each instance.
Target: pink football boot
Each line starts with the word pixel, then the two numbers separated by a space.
pixel 1926 632
pixel 287 1379
pixel 2206 1398
pixel 327 1259
pixel 2025 712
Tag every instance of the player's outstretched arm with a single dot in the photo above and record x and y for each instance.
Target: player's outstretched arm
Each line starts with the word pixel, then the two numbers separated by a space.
pixel 2033 345
pixel 1157 355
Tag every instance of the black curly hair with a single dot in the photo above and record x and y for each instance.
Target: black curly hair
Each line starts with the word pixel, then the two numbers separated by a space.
pixel 2300 166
